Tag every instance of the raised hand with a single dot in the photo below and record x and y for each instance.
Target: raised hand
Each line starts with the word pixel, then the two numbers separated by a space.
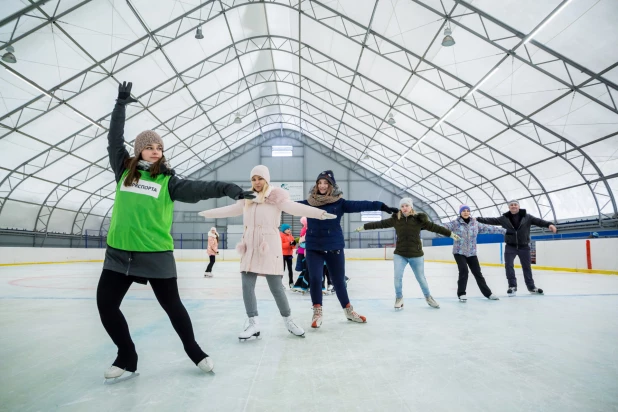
pixel 328 216
pixel 455 236
pixel 360 229
pixel 124 93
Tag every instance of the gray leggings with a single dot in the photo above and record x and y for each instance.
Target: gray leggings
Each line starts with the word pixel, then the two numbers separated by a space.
pixel 276 288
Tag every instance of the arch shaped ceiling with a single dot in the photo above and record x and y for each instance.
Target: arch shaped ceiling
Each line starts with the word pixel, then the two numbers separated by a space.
pixel 491 118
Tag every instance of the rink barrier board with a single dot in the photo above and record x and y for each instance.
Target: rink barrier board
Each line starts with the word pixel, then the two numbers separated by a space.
pixel 556 269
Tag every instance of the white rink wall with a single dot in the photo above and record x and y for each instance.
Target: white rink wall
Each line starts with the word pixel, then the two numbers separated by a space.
pixel 567 254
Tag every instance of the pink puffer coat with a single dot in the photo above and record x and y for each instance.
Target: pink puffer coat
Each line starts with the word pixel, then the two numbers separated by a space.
pixel 213 245
pixel 260 246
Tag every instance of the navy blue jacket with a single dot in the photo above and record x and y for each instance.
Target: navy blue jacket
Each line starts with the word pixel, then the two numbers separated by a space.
pixel 327 234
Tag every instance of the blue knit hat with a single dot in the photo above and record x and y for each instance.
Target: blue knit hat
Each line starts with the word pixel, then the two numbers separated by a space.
pixel 284 227
pixel 329 176
pixel 463 207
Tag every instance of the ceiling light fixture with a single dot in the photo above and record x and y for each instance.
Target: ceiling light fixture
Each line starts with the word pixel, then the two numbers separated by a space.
pixel 391 119
pixel 448 40
pixel 198 33
pixel 538 29
pixel 9 57
pixel 237 120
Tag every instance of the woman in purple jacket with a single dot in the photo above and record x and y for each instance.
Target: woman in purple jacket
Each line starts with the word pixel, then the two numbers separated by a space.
pixel 464 251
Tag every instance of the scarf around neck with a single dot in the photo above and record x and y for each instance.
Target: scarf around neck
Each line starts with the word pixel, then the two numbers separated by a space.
pixel 317 200
pixel 146 165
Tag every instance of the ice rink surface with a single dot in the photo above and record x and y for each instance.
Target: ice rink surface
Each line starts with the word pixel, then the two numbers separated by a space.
pixel 557 352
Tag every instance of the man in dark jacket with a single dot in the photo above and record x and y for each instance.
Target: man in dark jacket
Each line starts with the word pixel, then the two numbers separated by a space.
pixel 517 238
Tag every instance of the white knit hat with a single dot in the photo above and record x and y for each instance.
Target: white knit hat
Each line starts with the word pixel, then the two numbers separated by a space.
pixel 406 201
pixel 262 171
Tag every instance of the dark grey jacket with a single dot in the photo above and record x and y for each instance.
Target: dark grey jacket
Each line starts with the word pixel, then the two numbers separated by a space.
pixel 515 237
pixel 158 265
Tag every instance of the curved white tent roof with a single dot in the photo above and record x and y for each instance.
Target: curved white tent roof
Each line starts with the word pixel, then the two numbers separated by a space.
pixel 524 105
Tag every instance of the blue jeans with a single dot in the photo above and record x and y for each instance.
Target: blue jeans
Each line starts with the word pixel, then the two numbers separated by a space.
pixel 418 267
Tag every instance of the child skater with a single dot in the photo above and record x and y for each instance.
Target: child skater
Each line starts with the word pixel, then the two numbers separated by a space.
pixel 213 250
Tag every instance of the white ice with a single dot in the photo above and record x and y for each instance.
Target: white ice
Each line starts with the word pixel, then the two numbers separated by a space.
pixel 528 353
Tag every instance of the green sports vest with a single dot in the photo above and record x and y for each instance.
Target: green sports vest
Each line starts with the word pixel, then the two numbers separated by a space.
pixel 142 215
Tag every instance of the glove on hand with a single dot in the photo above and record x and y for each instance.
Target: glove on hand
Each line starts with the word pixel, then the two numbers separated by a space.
pixel 124 93
pixel 360 229
pixel 388 209
pixel 455 236
pixel 327 216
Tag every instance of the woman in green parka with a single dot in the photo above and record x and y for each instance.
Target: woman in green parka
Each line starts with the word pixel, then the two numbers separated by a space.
pixel 409 249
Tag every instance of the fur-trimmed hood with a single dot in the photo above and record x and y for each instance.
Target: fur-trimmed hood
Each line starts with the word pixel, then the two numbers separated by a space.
pixel 274 196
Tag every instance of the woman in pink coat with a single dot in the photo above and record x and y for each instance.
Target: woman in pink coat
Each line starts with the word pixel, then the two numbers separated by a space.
pixel 260 246
pixel 213 250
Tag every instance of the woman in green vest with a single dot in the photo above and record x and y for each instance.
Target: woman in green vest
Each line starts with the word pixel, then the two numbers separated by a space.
pixel 139 244
pixel 409 249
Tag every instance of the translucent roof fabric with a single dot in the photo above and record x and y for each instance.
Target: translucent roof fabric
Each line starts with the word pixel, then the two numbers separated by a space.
pixel 523 105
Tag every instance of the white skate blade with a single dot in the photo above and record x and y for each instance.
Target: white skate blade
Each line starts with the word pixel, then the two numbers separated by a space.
pixel 113 381
pixel 300 336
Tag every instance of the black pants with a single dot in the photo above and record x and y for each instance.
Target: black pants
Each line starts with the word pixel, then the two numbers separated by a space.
pixel 211 264
pixel 111 290
pixel 473 262
pixel 523 252
pixel 287 260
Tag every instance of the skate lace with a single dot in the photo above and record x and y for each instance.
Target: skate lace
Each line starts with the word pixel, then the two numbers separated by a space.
pixel 351 312
pixel 317 312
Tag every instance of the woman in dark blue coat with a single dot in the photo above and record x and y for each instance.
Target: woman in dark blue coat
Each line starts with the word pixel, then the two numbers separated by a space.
pixel 324 242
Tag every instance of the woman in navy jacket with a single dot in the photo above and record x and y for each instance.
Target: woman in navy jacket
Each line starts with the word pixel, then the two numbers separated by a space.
pixel 324 242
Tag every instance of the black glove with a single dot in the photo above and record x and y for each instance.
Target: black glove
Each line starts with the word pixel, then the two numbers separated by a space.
pixel 124 93
pixel 388 209
pixel 293 243
pixel 244 194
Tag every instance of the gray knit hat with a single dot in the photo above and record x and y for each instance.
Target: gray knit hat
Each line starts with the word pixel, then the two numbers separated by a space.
pixel 144 139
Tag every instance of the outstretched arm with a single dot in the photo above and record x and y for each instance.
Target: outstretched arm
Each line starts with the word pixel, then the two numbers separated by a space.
pixel 487 229
pixel 432 227
pixel 298 209
pixel 496 221
pixel 192 191
pixel 382 224
pixel 543 223
pixel 357 206
pixel 225 211
pixel 449 225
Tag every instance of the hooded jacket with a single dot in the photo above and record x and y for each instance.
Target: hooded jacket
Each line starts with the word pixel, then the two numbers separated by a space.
pixel 260 246
pixel 213 244
pixel 286 240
